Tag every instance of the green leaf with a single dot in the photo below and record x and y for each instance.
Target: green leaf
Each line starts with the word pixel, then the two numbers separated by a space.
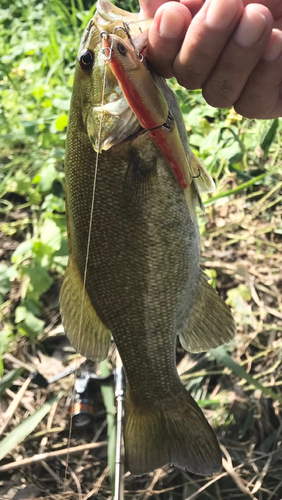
pixel 50 234
pixel 43 254
pixel 5 284
pixel 60 258
pixel 20 314
pixel 26 427
pixel 241 291
pixel 62 104
pixel 46 176
pixel 28 324
pixel 22 252
pixel 40 280
pixel 61 122
pixel 20 184
pixel 53 203
pixel 29 65
pixel 7 381
pixel 6 335
pixel 32 306
pixel 34 197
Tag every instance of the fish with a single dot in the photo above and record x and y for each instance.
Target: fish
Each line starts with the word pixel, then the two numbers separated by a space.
pixel 134 258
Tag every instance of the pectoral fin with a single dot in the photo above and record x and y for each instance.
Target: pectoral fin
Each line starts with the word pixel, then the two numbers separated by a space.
pixel 87 333
pixel 200 175
pixel 201 182
pixel 211 323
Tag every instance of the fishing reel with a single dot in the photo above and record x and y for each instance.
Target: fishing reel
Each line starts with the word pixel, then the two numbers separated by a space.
pixel 86 389
pixel 87 385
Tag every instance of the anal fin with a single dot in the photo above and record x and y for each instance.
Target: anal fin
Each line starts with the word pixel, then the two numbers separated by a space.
pixel 211 323
pixel 88 335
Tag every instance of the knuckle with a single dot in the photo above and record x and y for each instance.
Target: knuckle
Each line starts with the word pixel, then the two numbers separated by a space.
pixel 241 109
pixel 251 110
pixel 252 105
pixel 187 77
pixel 161 65
pixel 219 94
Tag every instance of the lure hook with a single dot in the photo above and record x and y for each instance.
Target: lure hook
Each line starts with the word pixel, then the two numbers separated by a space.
pixel 198 175
pixel 126 30
pixel 106 51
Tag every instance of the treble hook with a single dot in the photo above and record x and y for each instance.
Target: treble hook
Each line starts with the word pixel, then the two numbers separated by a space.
pixel 106 50
pixel 196 176
pixel 126 29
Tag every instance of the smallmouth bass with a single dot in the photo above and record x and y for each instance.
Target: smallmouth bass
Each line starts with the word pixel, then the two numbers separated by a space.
pixel 143 283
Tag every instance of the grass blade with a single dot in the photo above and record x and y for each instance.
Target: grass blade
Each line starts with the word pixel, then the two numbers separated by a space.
pixel 222 357
pixel 26 427
pixel 235 190
pixel 269 137
pixel 7 381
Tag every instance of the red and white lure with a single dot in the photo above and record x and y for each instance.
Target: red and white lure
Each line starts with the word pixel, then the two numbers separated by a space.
pixel 147 102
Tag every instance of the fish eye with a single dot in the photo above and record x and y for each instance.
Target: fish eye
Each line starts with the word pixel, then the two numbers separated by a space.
pixel 87 59
pixel 121 48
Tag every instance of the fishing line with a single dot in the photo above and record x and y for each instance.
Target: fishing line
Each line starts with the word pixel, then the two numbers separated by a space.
pixel 87 257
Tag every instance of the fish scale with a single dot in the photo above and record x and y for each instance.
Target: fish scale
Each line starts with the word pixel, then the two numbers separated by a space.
pixel 144 285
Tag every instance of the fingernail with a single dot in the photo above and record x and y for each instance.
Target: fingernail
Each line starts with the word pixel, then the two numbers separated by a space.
pixel 251 28
pixel 274 47
pixel 172 24
pixel 221 14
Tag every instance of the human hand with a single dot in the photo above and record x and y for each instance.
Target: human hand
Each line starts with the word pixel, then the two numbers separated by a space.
pixel 231 49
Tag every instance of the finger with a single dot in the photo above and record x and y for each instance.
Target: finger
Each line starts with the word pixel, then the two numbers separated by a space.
pixel 262 96
pixel 275 6
pixel 193 5
pixel 166 36
pixel 205 39
pixel 150 7
pixel 239 58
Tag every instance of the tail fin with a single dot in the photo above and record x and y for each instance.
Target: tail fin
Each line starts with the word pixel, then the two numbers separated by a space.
pixel 175 432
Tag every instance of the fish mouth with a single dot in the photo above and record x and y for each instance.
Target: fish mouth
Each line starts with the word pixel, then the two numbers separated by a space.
pixel 115 121
pixel 114 107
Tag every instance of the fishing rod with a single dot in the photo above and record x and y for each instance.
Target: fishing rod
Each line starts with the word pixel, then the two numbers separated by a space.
pixel 83 409
pixel 120 393
pixel 83 412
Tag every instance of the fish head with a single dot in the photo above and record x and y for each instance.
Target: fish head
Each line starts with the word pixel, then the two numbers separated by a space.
pixel 98 98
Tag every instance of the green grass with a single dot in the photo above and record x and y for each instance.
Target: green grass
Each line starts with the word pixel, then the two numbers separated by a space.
pixel 241 232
